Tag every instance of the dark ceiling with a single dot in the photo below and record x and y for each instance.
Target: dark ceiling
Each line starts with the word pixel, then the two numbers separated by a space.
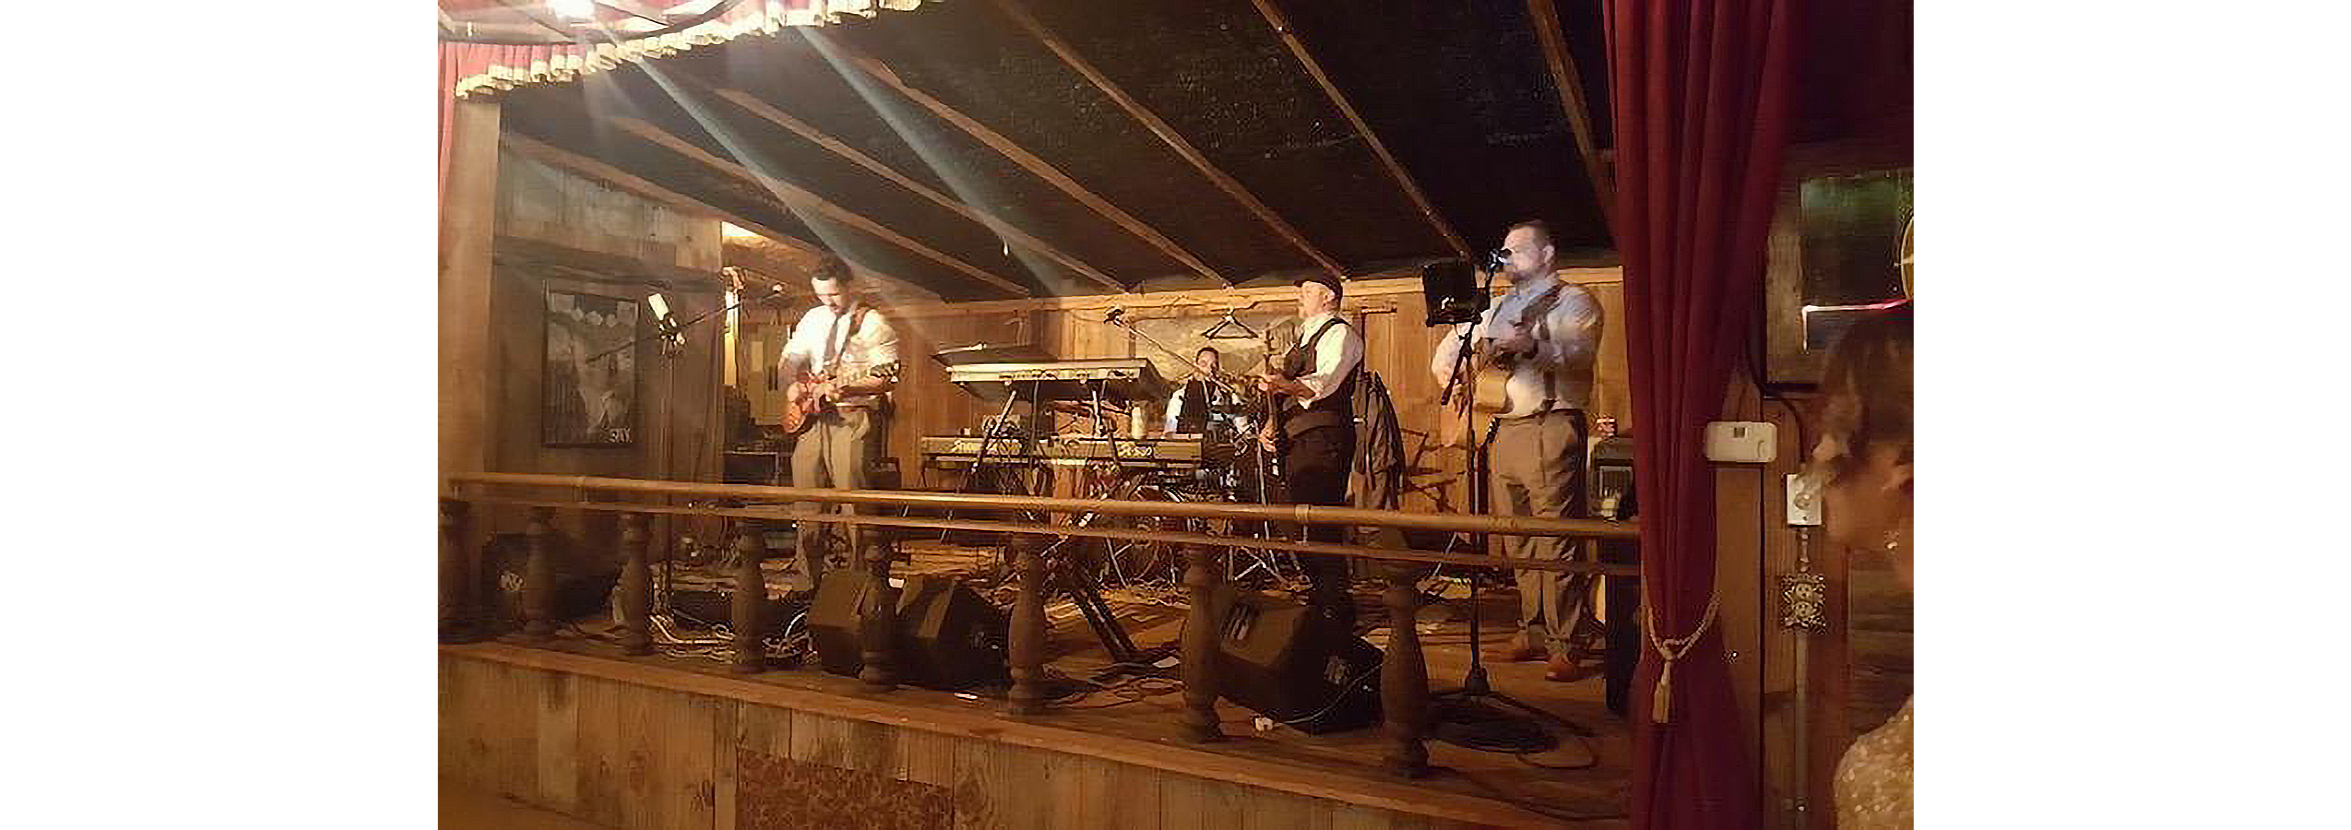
pixel 1460 93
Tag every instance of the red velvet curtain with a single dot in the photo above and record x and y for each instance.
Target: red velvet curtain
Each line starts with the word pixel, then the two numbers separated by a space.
pixel 1699 94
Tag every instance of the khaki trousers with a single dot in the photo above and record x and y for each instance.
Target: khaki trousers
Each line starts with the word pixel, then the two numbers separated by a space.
pixel 831 454
pixel 1537 465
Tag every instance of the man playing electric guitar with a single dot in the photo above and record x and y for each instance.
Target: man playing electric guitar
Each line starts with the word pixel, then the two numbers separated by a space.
pixel 846 339
pixel 1545 335
pixel 1313 428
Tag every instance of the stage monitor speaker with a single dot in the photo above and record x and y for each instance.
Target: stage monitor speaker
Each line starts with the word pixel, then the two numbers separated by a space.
pixel 1450 291
pixel 1284 661
pixel 949 637
pixel 832 622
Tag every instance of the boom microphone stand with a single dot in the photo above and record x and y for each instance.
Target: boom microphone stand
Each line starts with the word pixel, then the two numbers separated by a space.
pixel 1462 708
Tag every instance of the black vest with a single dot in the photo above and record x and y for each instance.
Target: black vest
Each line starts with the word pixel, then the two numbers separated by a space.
pixel 1193 417
pixel 1336 409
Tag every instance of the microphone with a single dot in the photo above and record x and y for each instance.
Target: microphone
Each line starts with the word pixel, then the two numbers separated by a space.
pixel 1112 317
pixel 1497 259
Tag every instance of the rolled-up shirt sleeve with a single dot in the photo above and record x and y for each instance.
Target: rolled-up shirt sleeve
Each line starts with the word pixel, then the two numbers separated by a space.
pixel 800 351
pixel 1335 355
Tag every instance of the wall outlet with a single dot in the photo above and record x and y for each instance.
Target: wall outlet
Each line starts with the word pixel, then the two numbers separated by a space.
pixel 1742 442
pixel 1803 501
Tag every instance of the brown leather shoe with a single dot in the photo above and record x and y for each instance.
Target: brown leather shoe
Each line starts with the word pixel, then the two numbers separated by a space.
pixel 1564 670
pixel 1520 649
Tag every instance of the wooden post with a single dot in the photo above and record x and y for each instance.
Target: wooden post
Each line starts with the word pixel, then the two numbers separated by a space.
pixel 538 579
pixel 1027 646
pixel 636 587
pixel 458 621
pixel 877 621
pixel 1404 674
pixel 469 224
pixel 750 591
pixel 1199 645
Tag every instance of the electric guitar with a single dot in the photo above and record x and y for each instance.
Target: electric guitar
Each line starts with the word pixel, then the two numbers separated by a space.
pixel 1274 411
pixel 1486 392
pixel 813 395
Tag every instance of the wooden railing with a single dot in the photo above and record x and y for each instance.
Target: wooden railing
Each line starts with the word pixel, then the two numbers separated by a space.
pixel 1404 671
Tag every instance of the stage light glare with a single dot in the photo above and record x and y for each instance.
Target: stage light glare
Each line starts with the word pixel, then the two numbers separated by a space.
pixel 574 9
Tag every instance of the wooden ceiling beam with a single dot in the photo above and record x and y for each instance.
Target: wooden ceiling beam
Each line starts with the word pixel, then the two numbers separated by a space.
pixel 599 170
pixel 791 195
pixel 1167 134
pixel 1544 16
pixel 1027 161
pixel 835 146
pixel 1281 26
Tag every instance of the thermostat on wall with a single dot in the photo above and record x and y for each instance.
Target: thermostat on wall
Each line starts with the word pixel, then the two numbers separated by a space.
pixel 1742 442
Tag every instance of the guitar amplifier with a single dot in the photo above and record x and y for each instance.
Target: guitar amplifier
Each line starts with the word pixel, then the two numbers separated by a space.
pixel 754 467
pixel 1612 498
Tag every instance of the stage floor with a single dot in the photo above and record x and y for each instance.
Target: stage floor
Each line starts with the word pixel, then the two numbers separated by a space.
pixel 1599 788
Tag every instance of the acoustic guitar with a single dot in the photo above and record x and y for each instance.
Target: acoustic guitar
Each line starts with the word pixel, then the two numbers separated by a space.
pixel 1486 392
pixel 813 395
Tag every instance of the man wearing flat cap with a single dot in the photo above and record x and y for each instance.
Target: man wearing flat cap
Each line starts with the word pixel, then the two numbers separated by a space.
pixel 1314 431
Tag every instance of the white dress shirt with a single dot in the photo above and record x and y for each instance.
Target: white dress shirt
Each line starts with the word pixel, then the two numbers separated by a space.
pixel 1567 354
pixel 823 336
pixel 1335 357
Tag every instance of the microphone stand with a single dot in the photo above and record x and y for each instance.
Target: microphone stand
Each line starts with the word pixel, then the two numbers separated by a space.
pixel 671 334
pixel 1474 685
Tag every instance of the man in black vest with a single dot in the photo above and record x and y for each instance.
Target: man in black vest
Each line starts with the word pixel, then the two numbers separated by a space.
pixel 1195 405
pixel 1314 432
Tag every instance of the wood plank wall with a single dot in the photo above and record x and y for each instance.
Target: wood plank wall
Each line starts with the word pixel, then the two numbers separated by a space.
pixel 557 231
pixel 634 756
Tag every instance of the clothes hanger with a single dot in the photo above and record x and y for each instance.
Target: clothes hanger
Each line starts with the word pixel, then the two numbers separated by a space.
pixel 1217 332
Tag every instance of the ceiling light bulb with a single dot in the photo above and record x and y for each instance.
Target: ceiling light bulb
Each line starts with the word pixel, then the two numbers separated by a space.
pixel 574 9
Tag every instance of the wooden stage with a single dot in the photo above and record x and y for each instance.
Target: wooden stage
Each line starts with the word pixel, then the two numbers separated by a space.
pixel 563 724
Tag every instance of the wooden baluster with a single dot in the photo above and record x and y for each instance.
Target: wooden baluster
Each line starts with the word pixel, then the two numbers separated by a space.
pixel 636 587
pixel 538 578
pixel 1199 645
pixel 1027 646
pixel 457 615
pixel 750 594
pixel 1404 674
pixel 877 620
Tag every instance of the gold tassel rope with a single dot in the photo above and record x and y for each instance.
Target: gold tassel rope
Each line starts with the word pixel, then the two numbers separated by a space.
pixel 1661 703
pixel 1661 699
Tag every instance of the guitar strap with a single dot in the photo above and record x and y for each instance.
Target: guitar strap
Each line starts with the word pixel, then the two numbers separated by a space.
pixel 1543 335
pixel 841 352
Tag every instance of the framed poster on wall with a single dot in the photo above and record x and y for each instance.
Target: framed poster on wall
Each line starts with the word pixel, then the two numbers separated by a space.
pixel 590 376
